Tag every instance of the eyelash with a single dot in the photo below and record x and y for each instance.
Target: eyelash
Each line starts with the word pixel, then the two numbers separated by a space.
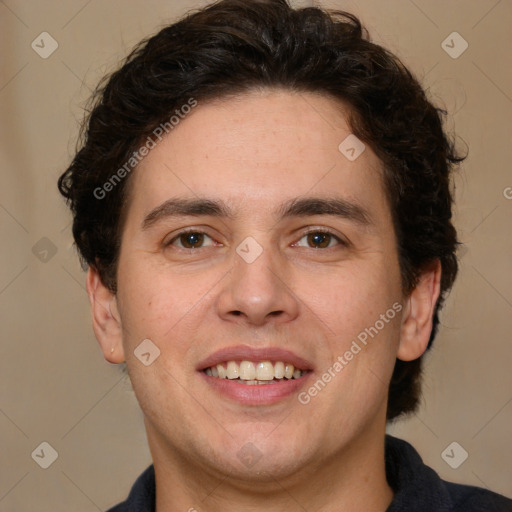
pixel 340 241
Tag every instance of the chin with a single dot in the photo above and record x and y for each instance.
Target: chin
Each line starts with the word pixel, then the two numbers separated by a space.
pixel 260 454
pixel 265 468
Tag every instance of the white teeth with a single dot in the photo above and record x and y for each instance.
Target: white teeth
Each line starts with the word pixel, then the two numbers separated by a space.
pixel 259 382
pixel 233 370
pixel 288 371
pixel 247 370
pixel 279 370
pixel 265 371
pixel 221 371
pixel 250 372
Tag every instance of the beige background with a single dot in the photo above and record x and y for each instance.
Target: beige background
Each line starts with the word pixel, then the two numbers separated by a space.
pixel 55 385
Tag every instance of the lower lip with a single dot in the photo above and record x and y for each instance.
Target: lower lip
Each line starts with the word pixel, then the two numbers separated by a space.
pixel 257 394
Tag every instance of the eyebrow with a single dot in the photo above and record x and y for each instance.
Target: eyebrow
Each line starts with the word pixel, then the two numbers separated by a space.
pixel 180 207
pixel 337 207
pixel 298 207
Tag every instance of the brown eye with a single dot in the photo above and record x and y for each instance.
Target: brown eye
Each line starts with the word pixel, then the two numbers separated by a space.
pixel 319 239
pixel 190 240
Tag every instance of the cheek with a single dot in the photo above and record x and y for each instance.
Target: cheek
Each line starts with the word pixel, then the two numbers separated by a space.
pixel 350 305
pixel 157 301
pixel 349 298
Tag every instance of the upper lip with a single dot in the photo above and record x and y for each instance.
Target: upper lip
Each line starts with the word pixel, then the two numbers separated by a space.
pixel 245 353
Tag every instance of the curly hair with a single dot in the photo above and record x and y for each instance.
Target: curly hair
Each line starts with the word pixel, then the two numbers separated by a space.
pixel 235 46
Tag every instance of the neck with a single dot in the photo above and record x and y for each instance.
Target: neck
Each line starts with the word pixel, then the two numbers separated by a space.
pixel 350 479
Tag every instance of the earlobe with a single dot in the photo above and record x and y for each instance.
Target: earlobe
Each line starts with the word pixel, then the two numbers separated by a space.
pixel 418 313
pixel 106 320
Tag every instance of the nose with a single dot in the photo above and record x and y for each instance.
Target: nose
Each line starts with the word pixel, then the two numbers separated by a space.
pixel 257 292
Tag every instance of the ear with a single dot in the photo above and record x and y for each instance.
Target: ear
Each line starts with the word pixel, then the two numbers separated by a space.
pixel 105 317
pixel 419 310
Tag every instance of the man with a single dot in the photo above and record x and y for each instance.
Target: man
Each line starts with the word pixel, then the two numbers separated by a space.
pixel 263 203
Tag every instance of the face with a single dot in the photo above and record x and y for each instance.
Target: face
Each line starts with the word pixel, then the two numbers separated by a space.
pixel 251 238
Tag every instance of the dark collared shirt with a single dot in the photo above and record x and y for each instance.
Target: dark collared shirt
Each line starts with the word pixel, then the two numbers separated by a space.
pixel 417 488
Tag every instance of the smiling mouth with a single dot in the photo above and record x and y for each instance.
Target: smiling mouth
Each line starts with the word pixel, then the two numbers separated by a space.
pixel 255 373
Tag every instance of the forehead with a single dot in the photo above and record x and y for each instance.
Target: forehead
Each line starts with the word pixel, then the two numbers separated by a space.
pixel 257 149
